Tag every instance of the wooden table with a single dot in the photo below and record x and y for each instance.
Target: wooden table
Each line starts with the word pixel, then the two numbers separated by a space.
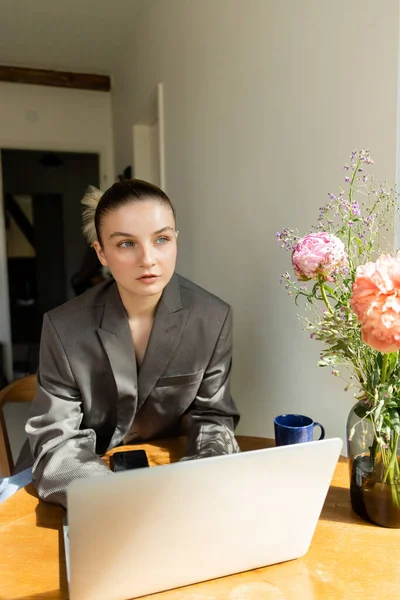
pixel 348 558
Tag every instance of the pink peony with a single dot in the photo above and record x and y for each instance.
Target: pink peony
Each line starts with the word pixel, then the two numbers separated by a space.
pixel 376 302
pixel 318 255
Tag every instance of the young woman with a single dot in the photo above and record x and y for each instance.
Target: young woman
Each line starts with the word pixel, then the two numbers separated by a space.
pixel 144 355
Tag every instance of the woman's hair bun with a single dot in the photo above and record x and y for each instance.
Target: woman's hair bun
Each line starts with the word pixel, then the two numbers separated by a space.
pixel 90 201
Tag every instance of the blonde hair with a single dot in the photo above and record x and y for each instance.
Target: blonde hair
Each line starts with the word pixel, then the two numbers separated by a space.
pixel 90 201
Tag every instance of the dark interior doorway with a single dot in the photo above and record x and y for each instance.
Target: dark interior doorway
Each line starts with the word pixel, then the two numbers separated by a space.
pixel 45 246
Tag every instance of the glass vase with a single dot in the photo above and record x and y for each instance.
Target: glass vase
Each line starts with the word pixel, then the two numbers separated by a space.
pixel 374 471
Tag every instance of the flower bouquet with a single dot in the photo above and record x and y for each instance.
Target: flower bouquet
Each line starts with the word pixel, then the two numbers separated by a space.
pixel 350 284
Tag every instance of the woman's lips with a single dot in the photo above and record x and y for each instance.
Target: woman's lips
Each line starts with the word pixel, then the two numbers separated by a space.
pixel 148 278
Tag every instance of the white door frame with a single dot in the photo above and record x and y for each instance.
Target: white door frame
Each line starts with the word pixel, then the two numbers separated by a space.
pixel 142 139
pixel 161 134
pixel 5 320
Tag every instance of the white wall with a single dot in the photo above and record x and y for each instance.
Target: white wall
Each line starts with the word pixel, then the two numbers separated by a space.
pixel 39 117
pixel 36 117
pixel 264 101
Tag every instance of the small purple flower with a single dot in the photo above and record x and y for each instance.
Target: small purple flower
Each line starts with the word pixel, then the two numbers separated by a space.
pixel 369 220
pixel 355 209
pixel 285 238
pixel 344 204
pixel 347 179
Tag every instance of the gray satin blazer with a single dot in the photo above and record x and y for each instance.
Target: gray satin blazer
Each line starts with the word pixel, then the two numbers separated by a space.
pixel 90 399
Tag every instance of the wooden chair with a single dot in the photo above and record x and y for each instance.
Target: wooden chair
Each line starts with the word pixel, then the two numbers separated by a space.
pixel 21 390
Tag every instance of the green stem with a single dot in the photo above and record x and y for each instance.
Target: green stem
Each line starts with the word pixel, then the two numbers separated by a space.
pixel 391 475
pixel 352 180
pixel 358 371
pixel 385 362
pixel 324 297
pixel 390 460
pixel 351 204
pixel 349 247
pixel 389 471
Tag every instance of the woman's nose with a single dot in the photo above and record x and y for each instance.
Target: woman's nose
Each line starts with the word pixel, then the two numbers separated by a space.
pixel 147 258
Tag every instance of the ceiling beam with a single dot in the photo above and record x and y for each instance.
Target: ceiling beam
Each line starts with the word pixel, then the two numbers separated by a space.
pixel 81 81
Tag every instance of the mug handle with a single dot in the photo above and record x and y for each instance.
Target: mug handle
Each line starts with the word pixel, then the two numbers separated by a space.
pixel 321 437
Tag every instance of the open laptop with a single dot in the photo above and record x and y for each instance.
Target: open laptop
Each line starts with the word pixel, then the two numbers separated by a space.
pixel 149 530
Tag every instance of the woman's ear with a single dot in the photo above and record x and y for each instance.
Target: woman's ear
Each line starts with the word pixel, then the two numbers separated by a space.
pixel 100 253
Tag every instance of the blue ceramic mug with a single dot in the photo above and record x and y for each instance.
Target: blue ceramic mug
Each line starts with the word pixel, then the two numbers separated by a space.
pixel 295 429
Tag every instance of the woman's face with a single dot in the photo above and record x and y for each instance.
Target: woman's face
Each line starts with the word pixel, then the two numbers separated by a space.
pixel 139 246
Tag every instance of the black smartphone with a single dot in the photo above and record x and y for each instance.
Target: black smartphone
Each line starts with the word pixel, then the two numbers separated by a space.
pixel 130 459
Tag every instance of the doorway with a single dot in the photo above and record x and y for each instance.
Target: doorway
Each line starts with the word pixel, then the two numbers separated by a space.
pixel 44 244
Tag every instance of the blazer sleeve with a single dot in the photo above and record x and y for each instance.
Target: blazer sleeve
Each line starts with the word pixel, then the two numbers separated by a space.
pixel 211 419
pixel 61 450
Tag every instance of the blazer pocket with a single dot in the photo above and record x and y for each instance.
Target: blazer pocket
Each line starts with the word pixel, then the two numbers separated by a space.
pixel 190 379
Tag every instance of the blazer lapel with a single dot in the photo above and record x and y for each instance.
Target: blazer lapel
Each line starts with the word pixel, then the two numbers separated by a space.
pixel 165 335
pixel 116 338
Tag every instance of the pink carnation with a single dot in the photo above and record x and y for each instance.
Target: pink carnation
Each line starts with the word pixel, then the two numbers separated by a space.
pixel 318 255
pixel 376 302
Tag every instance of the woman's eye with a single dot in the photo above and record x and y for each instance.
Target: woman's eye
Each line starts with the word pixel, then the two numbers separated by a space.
pixel 126 245
pixel 162 240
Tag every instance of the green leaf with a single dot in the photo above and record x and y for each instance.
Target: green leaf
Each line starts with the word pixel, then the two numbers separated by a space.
pixel 330 290
pixel 393 361
pixel 314 289
pixel 392 403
